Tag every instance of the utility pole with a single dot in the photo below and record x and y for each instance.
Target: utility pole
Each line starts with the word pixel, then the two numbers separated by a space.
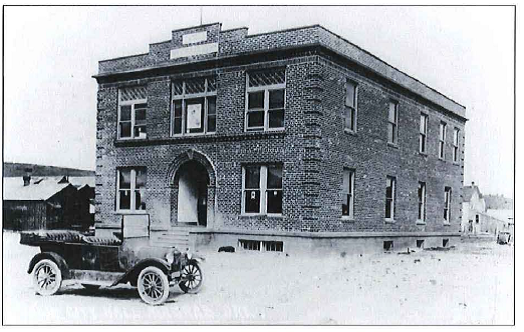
pixel 201 10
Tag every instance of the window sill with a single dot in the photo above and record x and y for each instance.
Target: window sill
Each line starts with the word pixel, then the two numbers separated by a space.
pixel 131 139
pixel 130 212
pixel 350 132
pixel 389 221
pixel 393 145
pixel 192 134
pixel 424 154
pixel 421 222
pixel 347 219
pixel 442 159
pixel 447 223
pixel 258 215
pixel 263 130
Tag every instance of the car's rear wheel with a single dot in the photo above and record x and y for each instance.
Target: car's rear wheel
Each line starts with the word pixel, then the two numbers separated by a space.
pixel 47 277
pixel 153 285
pixel 191 278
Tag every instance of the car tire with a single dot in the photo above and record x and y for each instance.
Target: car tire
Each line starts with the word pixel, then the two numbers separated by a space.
pixel 153 285
pixel 192 278
pixel 47 277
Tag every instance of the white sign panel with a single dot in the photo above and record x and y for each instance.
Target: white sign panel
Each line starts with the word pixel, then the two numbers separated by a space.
pixel 194 50
pixel 194 116
pixel 196 37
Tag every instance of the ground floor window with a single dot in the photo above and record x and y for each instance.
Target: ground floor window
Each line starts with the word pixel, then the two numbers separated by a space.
pixel 421 201
pixel 447 204
pixel 262 189
pixel 391 184
pixel 347 192
pixel 131 184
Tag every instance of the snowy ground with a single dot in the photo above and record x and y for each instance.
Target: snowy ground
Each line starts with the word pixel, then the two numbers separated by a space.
pixel 472 284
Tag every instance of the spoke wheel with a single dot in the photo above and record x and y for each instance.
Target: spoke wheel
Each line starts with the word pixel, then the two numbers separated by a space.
pixel 153 285
pixel 47 277
pixel 191 278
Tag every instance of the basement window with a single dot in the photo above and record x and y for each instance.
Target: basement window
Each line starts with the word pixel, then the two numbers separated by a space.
pixel 257 245
pixel 388 245
pixel 445 243
pixel 420 244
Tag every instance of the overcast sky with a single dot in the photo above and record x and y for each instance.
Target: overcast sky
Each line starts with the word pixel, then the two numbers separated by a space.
pixel 51 53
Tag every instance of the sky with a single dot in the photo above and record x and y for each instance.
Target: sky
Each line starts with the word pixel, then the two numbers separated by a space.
pixel 50 54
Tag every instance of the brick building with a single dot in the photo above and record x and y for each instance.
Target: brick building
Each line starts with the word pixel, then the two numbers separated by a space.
pixel 294 139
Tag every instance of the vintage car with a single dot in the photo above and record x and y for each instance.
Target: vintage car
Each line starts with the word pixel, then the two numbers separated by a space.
pixel 124 257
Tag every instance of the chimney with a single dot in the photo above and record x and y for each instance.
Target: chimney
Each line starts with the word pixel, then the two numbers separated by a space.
pixel 27 177
pixel 472 183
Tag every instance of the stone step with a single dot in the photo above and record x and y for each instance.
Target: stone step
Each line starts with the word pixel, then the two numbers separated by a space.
pixel 174 236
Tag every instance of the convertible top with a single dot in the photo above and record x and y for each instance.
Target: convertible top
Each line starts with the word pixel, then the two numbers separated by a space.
pixel 36 238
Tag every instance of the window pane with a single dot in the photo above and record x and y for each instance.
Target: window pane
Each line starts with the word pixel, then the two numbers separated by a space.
pixel 268 77
pixel 211 123
pixel 140 205
pixel 422 145
pixel 276 118
pixel 274 201
pixel 195 115
pixel 125 178
pixel 345 206
pixel 255 119
pixel 389 208
pixel 252 201
pixel 211 84
pixel 252 180
pixel 274 177
pixel 346 181
pixel 177 88
pixel 423 122
pixel 125 113
pixel 178 108
pixel 140 132
pixel 125 200
pixel 350 94
pixel 211 105
pixel 141 176
pixel 125 129
pixel 196 85
pixel 391 133
pixel 256 100
pixel 177 128
pixel 392 116
pixel 140 114
pixel 276 99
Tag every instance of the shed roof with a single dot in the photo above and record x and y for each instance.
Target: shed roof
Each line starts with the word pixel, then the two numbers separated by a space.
pixel 468 191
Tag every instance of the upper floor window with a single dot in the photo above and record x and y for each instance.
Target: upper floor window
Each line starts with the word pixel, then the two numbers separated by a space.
pixel 266 93
pixel 391 184
pixel 347 191
pixel 447 204
pixel 393 122
pixel 456 138
pixel 423 129
pixel 262 189
pixel 350 110
pixel 442 140
pixel 132 107
pixel 131 184
pixel 421 201
pixel 194 106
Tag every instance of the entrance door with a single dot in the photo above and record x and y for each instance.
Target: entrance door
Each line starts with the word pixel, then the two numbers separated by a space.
pixel 192 194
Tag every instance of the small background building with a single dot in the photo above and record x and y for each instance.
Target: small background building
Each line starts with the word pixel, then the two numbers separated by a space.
pixel 32 202
pixel 485 215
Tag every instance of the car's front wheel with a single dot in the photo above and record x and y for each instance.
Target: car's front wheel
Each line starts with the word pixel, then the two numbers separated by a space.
pixel 191 278
pixel 153 285
pixel 47 277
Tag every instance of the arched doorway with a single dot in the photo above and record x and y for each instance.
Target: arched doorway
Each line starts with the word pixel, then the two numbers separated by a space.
pixel 192 181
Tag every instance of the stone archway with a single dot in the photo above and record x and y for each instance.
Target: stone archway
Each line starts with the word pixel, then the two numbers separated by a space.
pixel 192 181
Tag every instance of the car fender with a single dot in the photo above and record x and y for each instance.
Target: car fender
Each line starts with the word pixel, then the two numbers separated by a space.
pixel 132 273
pixel 197 258
pixel 59 260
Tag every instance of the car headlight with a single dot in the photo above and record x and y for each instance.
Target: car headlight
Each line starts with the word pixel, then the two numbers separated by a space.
pixel 170 256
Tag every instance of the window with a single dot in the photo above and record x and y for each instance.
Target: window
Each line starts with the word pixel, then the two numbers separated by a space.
pixel 421 201
pixel 388 245
pixel 347 192
pixel 131 184
pixel 393 122
pixel 445 243
pixel 262 189
pixel 442 140
pixel 265 105
pixel 390 197
pixel 258 245
pixel 132 107
pixel 194 106
pixel 350 112
pixel 455 144
pixel 447 204
pixel 420 244
pixel 423 132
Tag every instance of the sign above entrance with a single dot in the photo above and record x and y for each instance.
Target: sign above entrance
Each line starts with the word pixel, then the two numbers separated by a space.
pixel 194 116
pixel 194 50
